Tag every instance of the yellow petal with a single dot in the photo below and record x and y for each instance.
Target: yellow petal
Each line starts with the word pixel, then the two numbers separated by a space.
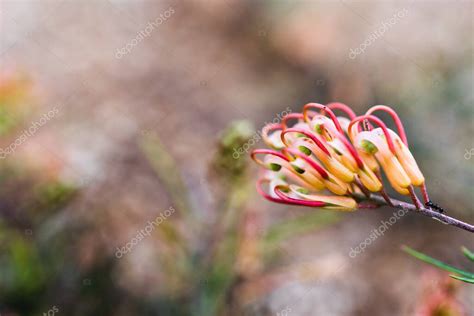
pixel 333 165
pixel 369 180
pixel 343 203
pixel 408 161
pixel 369 160
pixel 395 173
pixel 343 155
pixel 336 186
pixel 301 169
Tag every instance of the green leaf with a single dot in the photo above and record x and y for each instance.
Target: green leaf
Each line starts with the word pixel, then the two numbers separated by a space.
pixel 437 263
pixel 467 280
pixel 468 253
pixel 167 170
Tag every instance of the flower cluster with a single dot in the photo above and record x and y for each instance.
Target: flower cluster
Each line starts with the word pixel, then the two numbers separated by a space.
pixel 325 161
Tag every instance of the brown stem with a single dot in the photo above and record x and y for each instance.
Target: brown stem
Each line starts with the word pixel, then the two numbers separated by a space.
pixel 361 186
pixel 386 197
pixel 424 192
pixel 427 212
pixel 382 191
pixel 414 197
pixel 368 205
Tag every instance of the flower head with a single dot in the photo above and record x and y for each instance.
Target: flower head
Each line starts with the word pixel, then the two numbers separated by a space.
pixel 327 161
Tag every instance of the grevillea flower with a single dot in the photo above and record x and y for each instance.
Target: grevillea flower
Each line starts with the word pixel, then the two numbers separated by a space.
pixel 326 161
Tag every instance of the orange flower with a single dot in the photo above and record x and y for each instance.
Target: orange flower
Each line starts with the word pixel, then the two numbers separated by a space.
pixel 327 161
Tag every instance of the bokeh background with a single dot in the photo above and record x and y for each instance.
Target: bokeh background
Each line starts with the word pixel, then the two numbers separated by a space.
pixel 133 134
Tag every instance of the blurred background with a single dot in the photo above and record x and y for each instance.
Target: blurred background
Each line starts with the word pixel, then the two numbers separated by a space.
pixel 120 190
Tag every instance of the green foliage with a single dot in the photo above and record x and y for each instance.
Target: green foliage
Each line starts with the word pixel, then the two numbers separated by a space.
pixel 21 259
pixel 24 276
pixel 7 122
pixel 230 159
pixel 467 253
pixel 32 252
pixel 464 279
pixel 54 194
pixel 200 276
pixel 459 274
pixel 168 172
pixel 209 272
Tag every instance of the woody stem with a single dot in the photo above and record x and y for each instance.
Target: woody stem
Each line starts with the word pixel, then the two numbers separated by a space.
pixel 361 186
pixel 426 212
pixel 414 197
pixel 382 191
pixel 424 192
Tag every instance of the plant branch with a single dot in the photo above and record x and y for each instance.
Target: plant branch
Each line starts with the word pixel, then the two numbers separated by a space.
pixel 447 220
